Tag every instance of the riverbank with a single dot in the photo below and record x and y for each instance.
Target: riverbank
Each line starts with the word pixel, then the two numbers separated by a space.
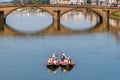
pixel 116 15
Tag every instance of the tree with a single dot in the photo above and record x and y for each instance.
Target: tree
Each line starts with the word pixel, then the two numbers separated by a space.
pixel 15 1
pixel 45 1
pixel 88 1
pixel 35 1
pixel 23 1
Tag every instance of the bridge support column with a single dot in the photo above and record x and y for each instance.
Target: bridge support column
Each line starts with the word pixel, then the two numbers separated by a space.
pixel 57 18
pixel 107 13
pixel 106 20
pixel 101 19
pixel 1 20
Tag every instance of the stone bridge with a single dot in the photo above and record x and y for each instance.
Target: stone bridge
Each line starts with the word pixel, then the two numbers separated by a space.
pixel 58 10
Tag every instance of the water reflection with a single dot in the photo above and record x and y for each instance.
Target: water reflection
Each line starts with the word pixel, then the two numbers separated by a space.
pixel 52 68
pixel 79 20
pixel 73 22
pixel 115 22
pixel 52 30
pixel 29 20
pixel 115 29
pixel 64 69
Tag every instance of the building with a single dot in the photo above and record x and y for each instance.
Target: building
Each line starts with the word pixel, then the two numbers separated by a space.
pixel 98 2
pixel 53 1
pixel 81 2
pixel 116 4
pixel 103 2
pixel 84 2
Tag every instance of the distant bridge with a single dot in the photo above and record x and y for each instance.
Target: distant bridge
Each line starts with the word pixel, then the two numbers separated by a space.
pixel 103 11
pixel 57 11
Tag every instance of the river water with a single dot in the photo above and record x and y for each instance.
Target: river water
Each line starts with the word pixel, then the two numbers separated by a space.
pixel 96 54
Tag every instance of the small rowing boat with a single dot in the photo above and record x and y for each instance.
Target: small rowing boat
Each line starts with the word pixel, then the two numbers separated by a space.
pixel 62 61
pixel 52 61
pixel 66 64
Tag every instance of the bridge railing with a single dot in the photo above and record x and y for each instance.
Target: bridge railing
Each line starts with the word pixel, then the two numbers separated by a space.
pixel 54 5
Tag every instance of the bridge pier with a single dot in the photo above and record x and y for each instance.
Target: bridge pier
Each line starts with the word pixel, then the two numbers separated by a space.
pixel 1 20
pixel 101 19
pixel 106 20
pixel 57 19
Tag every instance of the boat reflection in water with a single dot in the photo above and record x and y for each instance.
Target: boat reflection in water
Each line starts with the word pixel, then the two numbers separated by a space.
pixel 67 68
pixel 53 68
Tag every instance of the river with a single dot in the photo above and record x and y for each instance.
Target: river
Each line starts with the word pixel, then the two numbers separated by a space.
pixel 96 53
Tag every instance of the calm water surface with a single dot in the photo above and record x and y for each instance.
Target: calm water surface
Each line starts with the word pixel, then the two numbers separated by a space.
pixel 97 56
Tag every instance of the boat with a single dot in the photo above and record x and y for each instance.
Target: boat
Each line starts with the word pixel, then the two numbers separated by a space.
pixel 62 61
pixel 52 64
pixel 65 61
pixel 66 64
pixel 52 61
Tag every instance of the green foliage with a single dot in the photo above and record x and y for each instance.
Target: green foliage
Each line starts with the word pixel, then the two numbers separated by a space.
pixel 45 1
pixel 89 1
pixel 35 1
pixel 116 15
pixel 15 1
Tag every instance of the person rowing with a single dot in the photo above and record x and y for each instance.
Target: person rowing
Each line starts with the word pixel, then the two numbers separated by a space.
pixel 62 56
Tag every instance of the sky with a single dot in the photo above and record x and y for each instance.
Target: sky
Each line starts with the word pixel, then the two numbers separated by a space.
pixel 5 0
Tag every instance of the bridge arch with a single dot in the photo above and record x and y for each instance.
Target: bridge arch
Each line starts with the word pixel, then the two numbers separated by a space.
pixel 9 12
pixel 96 12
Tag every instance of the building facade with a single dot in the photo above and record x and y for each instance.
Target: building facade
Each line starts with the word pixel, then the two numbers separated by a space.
pixel 103 2
pixel 84 2
pixel 81 2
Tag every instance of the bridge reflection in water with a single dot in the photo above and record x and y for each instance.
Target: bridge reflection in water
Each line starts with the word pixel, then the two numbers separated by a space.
pixel 53 30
